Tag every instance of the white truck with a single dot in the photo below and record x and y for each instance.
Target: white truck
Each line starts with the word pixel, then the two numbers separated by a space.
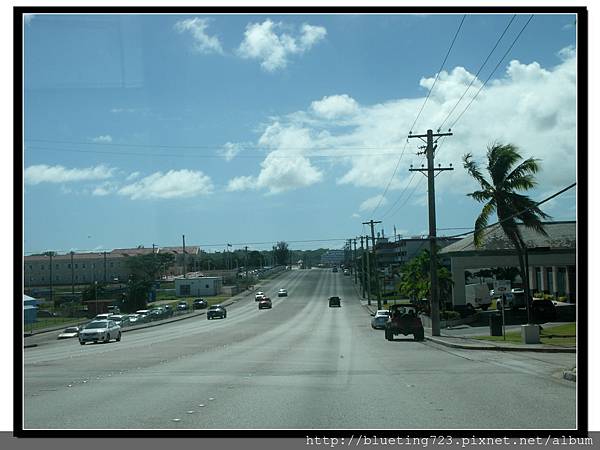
pixel 478 296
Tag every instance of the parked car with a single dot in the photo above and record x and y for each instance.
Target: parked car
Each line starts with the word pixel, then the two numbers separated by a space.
pixel 69 332
pixel 182 306
pixel 404 320
pixel 335 301
pixel 133 319
pixel 168 310
pixel 543 311
pixel 44 313
pixel 216 311
pixel 379 319
pixel 282 293
pixel 143 315
pixel 120 319
pixel 103 316
pixel 157 313
pixel 200 303
pixel 265 302
pixel 100 331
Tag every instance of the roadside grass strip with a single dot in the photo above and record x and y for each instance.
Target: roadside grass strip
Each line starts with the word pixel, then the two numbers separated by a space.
pixel 560 335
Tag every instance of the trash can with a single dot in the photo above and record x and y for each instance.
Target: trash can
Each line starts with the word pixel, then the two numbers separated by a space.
pixel 495 325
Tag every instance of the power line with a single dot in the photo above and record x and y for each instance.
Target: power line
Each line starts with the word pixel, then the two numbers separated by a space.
pixel 179 155
pixel 419 115
pixel 492 73
pixel 478 72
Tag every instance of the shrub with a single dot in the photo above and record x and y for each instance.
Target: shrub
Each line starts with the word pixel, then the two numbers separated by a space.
pixel 563 298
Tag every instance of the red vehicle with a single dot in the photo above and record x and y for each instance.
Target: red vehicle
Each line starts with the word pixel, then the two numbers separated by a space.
pixel 265 302
pixel 404 320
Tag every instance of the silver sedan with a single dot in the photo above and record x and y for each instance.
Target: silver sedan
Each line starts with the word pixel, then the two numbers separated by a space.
pixel 100 331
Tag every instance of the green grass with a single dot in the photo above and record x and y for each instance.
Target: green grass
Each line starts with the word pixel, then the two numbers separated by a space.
pixel 562 335
pixel 51 322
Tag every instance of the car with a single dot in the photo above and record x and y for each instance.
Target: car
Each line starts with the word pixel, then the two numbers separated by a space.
pixel 543 311
pixel 120 319
pixel 103 316
pixel 100 331
pixel 133 319
pixel 259 295
pixel 379 319
pixel 200 303
pixel 69 332
pixel 168 310
pixel 143 315
pixel 157 313
pixel 265 302
pixel 404 320
pixel 346 272
pixel 282 293
pixel 216 311
pixel 334 270
pixel 182 306
pixel 335 301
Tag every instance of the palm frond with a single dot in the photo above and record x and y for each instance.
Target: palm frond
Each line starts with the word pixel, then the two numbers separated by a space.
pixel 481 196
pixel 500 160
pixel 473 169
pixel 482 222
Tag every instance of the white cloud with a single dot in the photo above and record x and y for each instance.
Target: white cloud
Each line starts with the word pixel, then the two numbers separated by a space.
pixel 335 106
pixel 123 110
pixel 104 189
pixel 262 42
pixel 230 150
pixel 102 139
pixel 355 216
pixel 529 105
pixel 132 176
pixel 173 184
pixel 241 184
pixel 372 202
pixel 203 43
pixel 43 173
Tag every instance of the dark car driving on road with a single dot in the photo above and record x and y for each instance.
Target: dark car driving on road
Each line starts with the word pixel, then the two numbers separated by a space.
pixel 200 303
pixel 216 311
pixel 265 303
pixel 335 301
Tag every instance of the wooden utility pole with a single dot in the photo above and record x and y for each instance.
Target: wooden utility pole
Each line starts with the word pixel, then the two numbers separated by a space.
pixel 362 267
pixel 246 261
pixel 368 272
pixel 434 290
pixel 184 258
pixel 354 262
pixel 372 223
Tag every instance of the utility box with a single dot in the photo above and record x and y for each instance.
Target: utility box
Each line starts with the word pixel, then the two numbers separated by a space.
pixel 530 334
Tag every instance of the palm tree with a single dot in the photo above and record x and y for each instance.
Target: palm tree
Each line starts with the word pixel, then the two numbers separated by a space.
pixel 500 196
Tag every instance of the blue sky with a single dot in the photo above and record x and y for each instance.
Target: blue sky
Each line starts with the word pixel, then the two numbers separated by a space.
pixel 260 128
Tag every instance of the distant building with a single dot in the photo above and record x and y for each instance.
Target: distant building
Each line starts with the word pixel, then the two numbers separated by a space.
pixel 197 287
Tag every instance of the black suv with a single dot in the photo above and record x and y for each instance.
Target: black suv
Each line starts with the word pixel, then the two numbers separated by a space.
pixel 200 303
pixel 335 301
pixel 216 311
pixel 543 311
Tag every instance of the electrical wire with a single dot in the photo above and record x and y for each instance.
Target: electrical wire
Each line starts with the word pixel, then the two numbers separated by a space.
pixel 419 115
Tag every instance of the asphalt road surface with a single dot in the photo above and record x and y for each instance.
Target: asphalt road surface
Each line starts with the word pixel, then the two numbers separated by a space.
pixel 299 365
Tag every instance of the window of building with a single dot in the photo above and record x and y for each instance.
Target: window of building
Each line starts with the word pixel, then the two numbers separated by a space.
pixel 83 265
pixel 30 267
pixel 42 267
pixel 538 278
pixel 58 266
pixel 42 278
pixel 76 266
pixel 207 286
pixel 77 277
pixel 549 284
pixel 68 266
pixel 562 280
pixel 184 289
pixel 111 264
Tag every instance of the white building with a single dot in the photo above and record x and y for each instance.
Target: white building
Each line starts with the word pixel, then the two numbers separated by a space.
pixel 198 286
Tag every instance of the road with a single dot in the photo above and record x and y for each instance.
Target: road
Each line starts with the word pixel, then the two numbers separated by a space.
pixel 300 365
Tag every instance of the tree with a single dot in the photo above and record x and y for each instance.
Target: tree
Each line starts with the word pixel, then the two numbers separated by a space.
pixel 282 253
pixel 500 195
pixel 143 270
pixel 415 280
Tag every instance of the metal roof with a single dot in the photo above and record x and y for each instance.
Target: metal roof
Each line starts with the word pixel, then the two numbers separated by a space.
pixel 561 236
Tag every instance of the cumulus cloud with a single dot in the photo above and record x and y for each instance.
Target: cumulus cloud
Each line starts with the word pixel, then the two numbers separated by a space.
pixel 132 176
pixel 372 202
pixel 262 42
pixel 102 139
pixel 203 43
pixel 173 184
pixel 43 173
pixel 335 106
pixel 104 189
pixel 528 105
pixel 241 184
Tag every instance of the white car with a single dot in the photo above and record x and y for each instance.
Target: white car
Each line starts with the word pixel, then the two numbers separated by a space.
pixel 100 331
pixel 259 296
pixel 69 332
pixel 282 293
pixel 379 319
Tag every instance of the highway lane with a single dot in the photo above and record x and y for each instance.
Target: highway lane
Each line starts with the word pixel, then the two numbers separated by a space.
pixel 301 365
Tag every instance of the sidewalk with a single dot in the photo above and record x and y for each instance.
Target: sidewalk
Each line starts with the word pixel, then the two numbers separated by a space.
pixel 469 343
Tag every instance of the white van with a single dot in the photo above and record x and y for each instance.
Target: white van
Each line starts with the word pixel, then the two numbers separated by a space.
pixel 478 296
